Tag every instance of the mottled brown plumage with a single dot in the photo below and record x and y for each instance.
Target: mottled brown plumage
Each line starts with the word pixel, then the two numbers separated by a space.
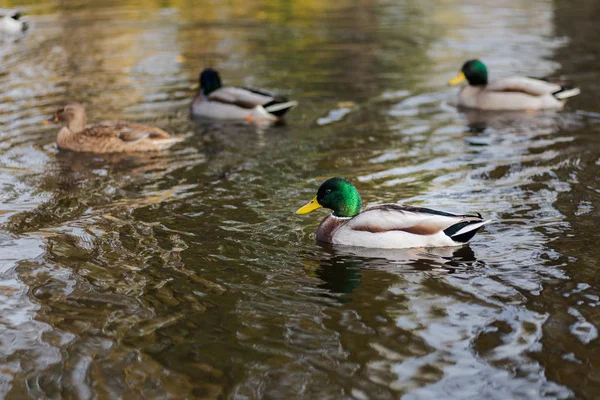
pixel 107 136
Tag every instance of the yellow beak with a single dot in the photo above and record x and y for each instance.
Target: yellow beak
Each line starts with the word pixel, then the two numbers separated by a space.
pixel 457 79
pixel 310 206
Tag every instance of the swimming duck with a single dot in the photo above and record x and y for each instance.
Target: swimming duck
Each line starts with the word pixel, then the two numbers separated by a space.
pixel 510 94
pixel 11 22
pixel 236 103
pixel 107 136
pixel 389 226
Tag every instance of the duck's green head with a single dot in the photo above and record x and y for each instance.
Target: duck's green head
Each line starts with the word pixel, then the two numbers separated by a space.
pixel 338 195
pixel 209 81
pixel 474 71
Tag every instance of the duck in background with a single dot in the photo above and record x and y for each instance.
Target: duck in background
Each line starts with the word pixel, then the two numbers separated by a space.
pixel 108 136
pixel 236 103
pixel 389 226
pixel 517 93
pixel 11 22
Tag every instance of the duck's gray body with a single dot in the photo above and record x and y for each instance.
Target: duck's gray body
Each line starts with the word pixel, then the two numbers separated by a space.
pixel 236 103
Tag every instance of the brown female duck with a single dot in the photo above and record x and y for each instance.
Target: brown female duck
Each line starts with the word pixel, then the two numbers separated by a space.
pixel 107 136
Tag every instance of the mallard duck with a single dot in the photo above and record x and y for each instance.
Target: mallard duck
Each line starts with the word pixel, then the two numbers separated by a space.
pixel 107 136
pixel 11 22
pixel 510 94
pixel 236 103
pixel 390 226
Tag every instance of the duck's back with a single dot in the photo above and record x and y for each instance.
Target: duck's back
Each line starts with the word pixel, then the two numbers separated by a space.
pixel 243 97
pixel 394 226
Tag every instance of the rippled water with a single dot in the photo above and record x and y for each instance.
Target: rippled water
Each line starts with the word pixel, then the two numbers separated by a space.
pixel 186 274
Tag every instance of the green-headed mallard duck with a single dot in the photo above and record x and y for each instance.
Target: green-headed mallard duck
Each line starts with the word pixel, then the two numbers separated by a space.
pixel 389 226
pixel 107 136
pixel 11 22
pixel 236 103
pixel 517 93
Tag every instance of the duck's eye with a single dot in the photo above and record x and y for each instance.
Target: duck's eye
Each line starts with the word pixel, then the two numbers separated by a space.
pixel 327 191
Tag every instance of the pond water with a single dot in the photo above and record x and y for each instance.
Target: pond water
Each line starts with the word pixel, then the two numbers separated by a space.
pixel 186 274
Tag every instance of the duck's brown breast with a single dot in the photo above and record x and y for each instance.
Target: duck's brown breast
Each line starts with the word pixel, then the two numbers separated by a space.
pixel 328 227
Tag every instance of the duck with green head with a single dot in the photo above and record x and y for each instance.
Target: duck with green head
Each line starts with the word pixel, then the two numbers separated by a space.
pixel 216 101
pixel 517 93
pixel 391 226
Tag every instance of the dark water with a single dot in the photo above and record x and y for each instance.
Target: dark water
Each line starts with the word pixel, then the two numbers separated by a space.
pixel 186 274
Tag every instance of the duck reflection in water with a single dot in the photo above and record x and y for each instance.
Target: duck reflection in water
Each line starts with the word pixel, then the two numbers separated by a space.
pixel 84 183
pixel 342 267
pixel 478 121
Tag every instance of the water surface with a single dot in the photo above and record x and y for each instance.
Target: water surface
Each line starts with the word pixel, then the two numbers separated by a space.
pixel 186 274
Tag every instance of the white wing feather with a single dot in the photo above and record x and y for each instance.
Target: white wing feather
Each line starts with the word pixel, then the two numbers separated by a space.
pixel 534 87
pixel 239 96
pixel 395 219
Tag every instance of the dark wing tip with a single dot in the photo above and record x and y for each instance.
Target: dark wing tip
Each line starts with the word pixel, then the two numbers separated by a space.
pixel 465 236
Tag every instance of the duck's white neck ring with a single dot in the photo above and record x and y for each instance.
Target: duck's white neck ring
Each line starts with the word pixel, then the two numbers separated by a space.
pixel 343 218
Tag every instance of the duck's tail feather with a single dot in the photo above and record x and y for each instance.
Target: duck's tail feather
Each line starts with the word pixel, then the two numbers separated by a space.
pixel 163 144
pixel 566 91
pixel 462 232
pixel 277 108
